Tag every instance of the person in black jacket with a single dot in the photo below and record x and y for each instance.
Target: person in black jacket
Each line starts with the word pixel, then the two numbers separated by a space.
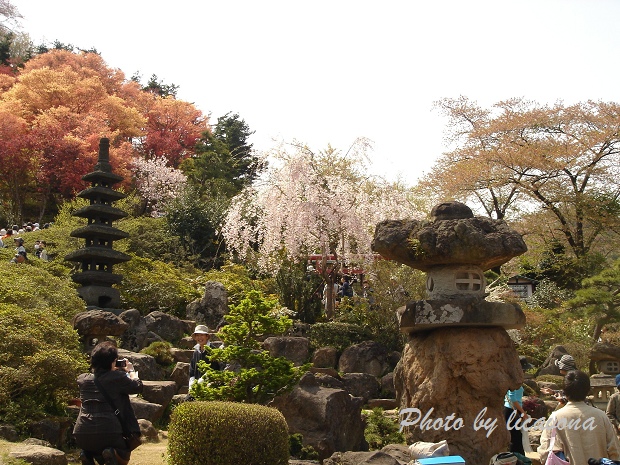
pixel 98 431
pixel 202 336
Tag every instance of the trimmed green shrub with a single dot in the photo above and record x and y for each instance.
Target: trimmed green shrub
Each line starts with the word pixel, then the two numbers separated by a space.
pixel 150 285
pixel 32 287
pixel 382 430
pixel 338 335
pixel 227 433
pixel 40 359
pixel 160 351
pixel 299 451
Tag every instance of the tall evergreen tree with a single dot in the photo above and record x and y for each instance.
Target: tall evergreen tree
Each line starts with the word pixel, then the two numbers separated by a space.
pixel 225 161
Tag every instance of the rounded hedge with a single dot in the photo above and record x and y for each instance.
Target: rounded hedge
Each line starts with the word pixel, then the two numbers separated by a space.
pixel 227 433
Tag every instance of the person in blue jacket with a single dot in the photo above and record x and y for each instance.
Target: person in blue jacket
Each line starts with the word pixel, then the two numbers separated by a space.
pixel 513 411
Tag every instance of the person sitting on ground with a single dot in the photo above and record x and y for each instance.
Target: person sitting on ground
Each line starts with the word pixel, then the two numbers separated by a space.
pixel 43 251
pixel 582 431
pixel 613 407
pixel 20 251
pixel 98 431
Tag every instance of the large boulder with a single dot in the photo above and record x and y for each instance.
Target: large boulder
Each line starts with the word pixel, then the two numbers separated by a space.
pixel 38 455
pixel 295 349
pixel 147 367
pixel 95 325
pixel 52 429
pixel 181 355
pixel 549 367
pixel 464 372
pixel 146 410
pixel 168 327
pixel 361 385
pixel 325 357
pixel 211 308
pixel 8 433
pixel 180 374
pixel 149 432
pixel 367 357
pixel 329 420
pixel 387 385
pixel 134 338
pixel 159 392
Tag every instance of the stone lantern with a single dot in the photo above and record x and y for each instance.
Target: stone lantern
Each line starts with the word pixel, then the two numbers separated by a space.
pixel 98 256
pixel 454 248
pixel 458 361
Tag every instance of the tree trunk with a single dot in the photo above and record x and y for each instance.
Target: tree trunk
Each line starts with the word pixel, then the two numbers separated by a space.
pixel 597 331
pixel 331 298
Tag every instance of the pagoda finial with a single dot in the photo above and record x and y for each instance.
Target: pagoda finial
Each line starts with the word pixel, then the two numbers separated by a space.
pixel 103 163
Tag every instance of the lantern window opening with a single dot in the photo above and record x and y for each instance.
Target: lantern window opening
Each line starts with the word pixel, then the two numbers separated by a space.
pixel 468 281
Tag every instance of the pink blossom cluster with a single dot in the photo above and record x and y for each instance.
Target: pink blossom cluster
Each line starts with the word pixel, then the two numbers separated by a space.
pixel 157 183
pixel 311 203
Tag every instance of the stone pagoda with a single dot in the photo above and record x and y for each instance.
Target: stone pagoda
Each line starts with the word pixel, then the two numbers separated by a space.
pixel 98 256
pixel 458 361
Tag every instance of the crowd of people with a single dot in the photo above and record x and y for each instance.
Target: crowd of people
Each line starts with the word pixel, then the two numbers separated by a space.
pixel 344 288
pixel 13 235
pixel 576 431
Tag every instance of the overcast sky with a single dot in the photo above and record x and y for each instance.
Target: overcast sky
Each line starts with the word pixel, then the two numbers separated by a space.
pixel 329 71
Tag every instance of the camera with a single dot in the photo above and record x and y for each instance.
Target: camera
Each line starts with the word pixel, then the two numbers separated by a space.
pixel 121 363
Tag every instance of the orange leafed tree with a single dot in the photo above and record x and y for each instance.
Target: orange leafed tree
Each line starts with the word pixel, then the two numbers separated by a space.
pixel 519 156
pixel 63 103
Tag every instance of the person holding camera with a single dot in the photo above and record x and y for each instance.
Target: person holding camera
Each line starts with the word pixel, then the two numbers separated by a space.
pixel 565 364
pixel 98 431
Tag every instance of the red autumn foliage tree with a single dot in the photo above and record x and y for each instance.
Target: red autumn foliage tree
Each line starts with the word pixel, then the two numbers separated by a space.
pixel 63 103
pixel 173 128
pixel 17 163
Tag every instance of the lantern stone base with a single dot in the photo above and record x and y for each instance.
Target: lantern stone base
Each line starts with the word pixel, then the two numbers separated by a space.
pixel 450 384
pixel 100 296
pixel 423 315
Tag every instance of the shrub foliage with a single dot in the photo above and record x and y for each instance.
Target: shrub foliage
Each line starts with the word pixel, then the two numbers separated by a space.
pixel 382 430
pixel 40 359
pixel 253 375
pixel 227 433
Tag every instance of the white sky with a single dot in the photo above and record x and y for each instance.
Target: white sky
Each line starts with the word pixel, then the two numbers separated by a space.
pixel 330 71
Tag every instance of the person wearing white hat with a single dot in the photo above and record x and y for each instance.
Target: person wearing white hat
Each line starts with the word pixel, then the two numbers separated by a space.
pixel 202 335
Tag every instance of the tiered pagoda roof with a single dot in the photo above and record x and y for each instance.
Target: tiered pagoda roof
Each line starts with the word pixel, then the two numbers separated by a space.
pixel 98 255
